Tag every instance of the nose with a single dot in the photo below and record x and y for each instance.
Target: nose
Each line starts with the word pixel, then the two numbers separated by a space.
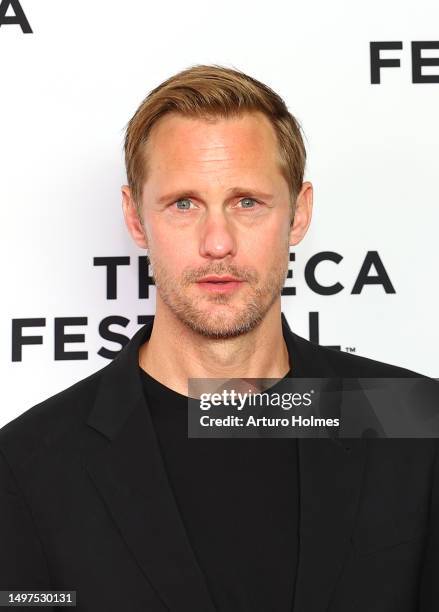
pixel 217 238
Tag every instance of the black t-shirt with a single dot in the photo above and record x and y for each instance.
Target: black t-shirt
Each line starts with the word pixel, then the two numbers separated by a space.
pixel 239 501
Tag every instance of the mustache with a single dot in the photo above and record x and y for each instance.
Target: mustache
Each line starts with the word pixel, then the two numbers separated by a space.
pixel 242 274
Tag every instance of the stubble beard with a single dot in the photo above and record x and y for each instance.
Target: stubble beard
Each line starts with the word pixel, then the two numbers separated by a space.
pixel 231 321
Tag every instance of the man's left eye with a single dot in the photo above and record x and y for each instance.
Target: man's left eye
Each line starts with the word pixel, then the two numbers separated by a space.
pixel 248 202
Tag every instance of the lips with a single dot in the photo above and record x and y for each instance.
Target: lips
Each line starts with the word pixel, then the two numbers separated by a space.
pixel 219 279
pixel 220 284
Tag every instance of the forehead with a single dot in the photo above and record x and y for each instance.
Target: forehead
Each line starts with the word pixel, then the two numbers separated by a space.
pixel 179 144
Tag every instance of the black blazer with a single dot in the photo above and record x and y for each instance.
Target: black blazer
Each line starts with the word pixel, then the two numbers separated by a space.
pixel 86 505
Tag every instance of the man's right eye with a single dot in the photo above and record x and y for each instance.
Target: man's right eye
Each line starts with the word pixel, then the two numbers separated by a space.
pixel 186 204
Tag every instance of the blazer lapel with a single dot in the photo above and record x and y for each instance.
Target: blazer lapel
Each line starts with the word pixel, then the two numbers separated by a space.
pixel 127 469
pixel 330 484
pixel 331 474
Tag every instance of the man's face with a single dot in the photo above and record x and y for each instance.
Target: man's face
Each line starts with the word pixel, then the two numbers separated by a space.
pixel 215 203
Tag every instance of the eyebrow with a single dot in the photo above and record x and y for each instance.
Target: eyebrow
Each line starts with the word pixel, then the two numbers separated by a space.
pixel 233 192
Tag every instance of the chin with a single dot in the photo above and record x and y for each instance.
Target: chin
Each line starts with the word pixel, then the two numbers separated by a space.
pixel 223 327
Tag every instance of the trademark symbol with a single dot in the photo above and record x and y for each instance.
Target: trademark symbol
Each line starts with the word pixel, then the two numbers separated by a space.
pixel 350 349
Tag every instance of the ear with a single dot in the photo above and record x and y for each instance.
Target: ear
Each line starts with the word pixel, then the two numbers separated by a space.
pixel 302 214
pixel 132 219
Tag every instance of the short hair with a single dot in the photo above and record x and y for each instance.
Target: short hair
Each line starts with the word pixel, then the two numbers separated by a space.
pixel 209 92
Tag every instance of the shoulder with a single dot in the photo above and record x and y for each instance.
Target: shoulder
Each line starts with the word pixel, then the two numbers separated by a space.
pixel 348 365
pixel 54 422
pixel 356 365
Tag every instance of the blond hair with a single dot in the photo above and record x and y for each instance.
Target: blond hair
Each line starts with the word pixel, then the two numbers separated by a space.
pixel 205 92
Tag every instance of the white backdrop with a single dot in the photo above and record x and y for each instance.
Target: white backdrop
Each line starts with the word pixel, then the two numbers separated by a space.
pixel 67 91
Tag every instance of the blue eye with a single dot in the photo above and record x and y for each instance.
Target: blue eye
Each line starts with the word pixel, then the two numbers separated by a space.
pixel 187 203
pixel 251 200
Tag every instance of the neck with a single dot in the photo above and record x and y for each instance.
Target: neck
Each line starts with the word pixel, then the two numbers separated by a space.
pixel 174 352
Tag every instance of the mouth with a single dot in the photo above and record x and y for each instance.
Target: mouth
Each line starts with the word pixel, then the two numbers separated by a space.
pixel 224 284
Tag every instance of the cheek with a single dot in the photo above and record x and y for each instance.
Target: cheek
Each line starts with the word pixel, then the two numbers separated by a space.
pixel 165 243
pixel 172 250
pixel 271 243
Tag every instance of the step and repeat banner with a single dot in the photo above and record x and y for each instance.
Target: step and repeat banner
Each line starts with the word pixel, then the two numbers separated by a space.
pixel 363 81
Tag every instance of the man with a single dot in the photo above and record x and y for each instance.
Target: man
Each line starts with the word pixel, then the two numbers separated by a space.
pixel 102 490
